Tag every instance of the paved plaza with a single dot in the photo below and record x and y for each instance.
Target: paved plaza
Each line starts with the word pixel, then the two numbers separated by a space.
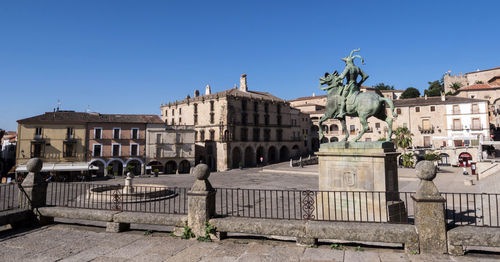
pixel 83 243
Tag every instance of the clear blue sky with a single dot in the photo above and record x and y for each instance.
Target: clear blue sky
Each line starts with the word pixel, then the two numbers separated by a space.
pixel 131 56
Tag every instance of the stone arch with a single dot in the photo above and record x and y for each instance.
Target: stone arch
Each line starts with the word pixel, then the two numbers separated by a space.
pixel 284 154
pixel 116 167
pixel 155 165
pixel 259 154
pixel 101 164
pixel 334 139
pixel 170 167
pixel 135 164
pixel 236 157
pixel 271 155
pixel 334 128
pixel 184 167
pixel 249 157
pixel 324 140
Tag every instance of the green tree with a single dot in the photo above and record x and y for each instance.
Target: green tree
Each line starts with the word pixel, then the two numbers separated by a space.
pixel 382 86
pixel 435 88
pixel 455 86
pixel 410 92
pixel 402 138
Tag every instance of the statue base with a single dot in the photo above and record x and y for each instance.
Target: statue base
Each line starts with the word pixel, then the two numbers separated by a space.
pixel 362 178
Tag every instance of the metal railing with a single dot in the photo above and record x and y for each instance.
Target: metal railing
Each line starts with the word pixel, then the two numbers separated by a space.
pixel 473 209
pixel 9 196
pixel 356 206
pixel 151 199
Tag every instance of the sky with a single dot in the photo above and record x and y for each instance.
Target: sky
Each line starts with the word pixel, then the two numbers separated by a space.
pixel 131 56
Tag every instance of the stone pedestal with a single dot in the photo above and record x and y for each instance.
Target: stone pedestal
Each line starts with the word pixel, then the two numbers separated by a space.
pixel 201 200
pixel 363 180
pixel 429 211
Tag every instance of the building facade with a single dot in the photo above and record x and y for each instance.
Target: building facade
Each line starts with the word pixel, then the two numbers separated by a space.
pixel 170 149
pixel 488 76
pixel 429 119
pixel 239 127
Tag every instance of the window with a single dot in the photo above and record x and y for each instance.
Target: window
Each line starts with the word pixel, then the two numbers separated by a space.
pixel 69 149
pixel 134 149
pixel 457 124
pixel 427 141
pixel 97 133
pixel 256 134
pixel 266 107
pixel 173 112
pixel 37 149
pixel 255 106
pixel 267 135
pixel 278 109
pixel 116 133
pixel 244 105
pixel 417 109
pixel 166 113
pixel 456 109
pixel 195 119
pixel 178 139
pixel 475 108
pixel 202 135
pixel 38 133
pixel 244 134
pixel 244 119
pixel 266 120
pixel 212 118
pixel 255 119
pixel 426 124
pixel 135 133
pixel 212 107
pixel 398 111
pixel 212 135
pixel 476 124
pixel 180 120
pixel 433 108
pixel 377 125
pixel 69 133
pixel 352 129
pixel 180 111
pixel 158 138
pixel 173 122
pixel 116 150
pixel 158 152
pixel 279 134
pixel 97 150
pixel 195 108
pixel 278 120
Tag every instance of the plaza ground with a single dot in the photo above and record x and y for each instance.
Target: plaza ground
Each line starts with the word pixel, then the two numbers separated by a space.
pixel 62 242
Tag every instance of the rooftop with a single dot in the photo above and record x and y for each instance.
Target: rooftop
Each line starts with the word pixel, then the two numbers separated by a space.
pixel 83 117
pixel 478 87
pixel 494 68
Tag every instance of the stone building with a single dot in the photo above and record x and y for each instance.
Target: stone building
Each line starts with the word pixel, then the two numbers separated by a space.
pixel 436 122
pixel 170 149
pixel 239 127
pixel 488 76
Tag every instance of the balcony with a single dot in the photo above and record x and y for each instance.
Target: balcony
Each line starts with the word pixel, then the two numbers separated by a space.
pixel 476 128
pixel 426 130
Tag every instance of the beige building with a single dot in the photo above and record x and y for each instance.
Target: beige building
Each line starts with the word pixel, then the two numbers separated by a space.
pixel 239 127
pixel 59 141
pixel 432 120
pixel 170 149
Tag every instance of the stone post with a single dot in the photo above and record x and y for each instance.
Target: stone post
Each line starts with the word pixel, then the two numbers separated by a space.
pixel 201 200
pixel 429 211
pixel 33 190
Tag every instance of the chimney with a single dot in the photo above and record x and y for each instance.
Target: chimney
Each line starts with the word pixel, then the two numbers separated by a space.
pixel 208 91
pixel 443 97
pixel 243 83
pixel 314 94
pixel 196 93
pixel 425 96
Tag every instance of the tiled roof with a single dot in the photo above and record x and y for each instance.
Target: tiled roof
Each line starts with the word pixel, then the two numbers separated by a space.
pixel 478 87
pixel 82 117
pixel 307 98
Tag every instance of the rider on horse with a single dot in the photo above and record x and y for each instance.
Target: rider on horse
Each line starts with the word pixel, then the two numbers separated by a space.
pixel 350 73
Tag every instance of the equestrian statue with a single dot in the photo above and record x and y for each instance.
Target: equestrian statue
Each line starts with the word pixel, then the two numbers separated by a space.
pixel 347 100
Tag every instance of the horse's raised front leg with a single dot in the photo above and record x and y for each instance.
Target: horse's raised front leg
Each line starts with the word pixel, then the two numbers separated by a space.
pixel 364 127
pixel 344 128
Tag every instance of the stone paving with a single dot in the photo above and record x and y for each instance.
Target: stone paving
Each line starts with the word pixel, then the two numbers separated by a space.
pixel 83 243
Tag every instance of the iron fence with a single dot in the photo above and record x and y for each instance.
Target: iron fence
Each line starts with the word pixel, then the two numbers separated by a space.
pixel 151 199
pixel 9 196
pixel 473 209
pixel 360 206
